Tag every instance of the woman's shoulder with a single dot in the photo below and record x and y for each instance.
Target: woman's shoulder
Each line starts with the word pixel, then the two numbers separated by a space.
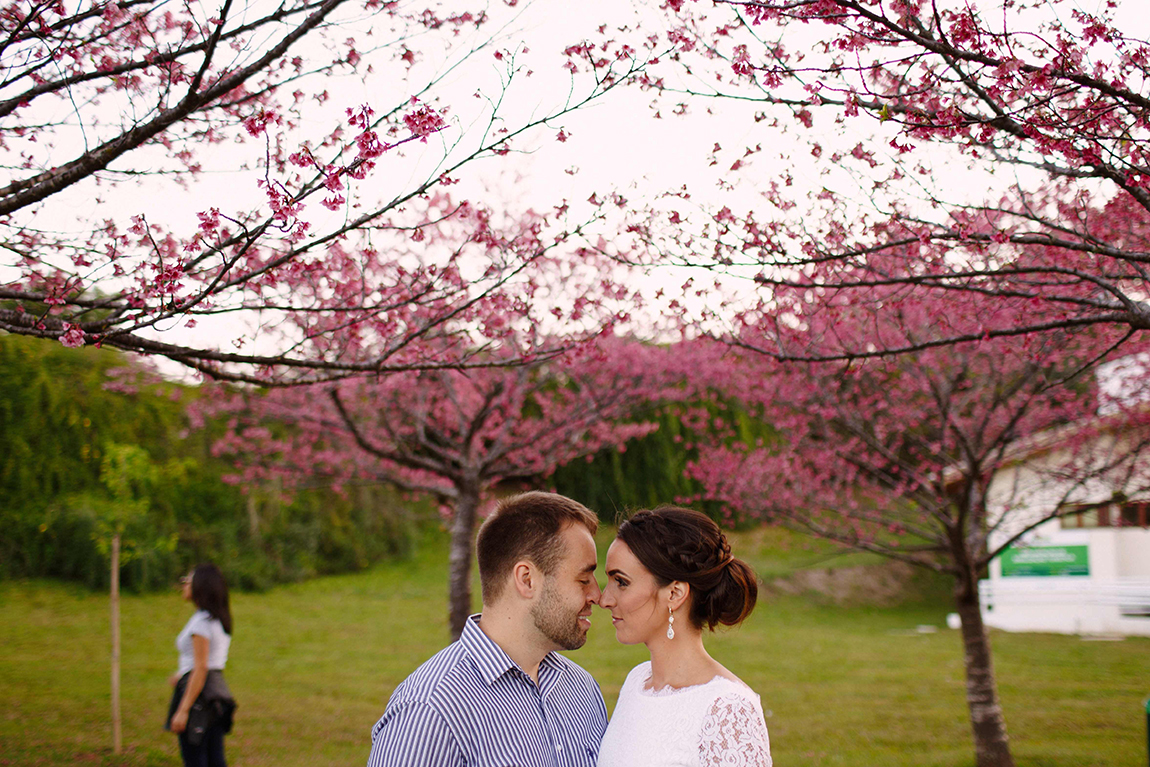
pixel 727 686
pixel 732 703
pixel 203 623
pixel 633 684
pixel 640 674
pixel 734 730
pixel 196 619
pixel 637 677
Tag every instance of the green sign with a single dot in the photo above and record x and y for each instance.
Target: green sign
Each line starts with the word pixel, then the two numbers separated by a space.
pixel 1046 561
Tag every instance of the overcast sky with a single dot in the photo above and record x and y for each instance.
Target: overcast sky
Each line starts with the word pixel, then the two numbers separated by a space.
pixel 616 144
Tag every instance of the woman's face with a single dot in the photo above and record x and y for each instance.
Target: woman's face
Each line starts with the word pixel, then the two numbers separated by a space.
pixel 186 587
pixel 638 606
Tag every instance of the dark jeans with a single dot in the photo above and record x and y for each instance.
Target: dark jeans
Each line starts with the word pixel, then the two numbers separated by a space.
pixel 210 752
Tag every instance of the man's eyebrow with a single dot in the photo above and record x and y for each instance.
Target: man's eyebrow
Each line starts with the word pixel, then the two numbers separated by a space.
pixel 591 567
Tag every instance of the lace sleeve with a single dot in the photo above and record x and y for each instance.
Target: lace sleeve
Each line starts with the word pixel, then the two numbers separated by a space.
pixel 734 735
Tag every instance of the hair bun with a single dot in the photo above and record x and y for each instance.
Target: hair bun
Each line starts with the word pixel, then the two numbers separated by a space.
pixel 678 544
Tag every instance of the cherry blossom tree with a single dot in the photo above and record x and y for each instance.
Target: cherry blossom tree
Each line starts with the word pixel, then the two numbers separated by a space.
pixel 110 108
pixel 960 183
pixel 903 455
pixel 997 147
pixel 454 434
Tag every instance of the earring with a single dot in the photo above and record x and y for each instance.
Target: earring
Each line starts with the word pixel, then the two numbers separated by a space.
pixel 670 623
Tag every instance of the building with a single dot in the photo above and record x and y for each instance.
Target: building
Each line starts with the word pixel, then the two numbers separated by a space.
pixel 1086 573
pixel 1083 566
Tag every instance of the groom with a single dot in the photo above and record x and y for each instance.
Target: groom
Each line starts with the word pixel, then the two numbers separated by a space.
pixel 501 695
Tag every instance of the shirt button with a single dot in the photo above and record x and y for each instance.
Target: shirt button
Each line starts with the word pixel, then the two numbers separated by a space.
pixel 559 748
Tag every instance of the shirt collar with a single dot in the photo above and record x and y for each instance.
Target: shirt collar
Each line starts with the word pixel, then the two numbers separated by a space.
pixel 490 659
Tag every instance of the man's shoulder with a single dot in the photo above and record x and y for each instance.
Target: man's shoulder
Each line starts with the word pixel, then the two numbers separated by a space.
pixel 439 672
pixel 577 672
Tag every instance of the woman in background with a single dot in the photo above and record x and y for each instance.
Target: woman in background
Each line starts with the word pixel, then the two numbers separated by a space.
pixel 201 709
pixel 670 574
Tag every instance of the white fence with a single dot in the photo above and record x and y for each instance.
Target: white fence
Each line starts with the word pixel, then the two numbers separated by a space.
pixel 1068 605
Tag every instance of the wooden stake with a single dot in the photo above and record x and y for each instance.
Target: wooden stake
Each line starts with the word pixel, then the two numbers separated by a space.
pixel 117 735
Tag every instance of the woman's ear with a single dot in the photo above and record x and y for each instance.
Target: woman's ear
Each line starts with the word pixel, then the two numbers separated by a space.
pixel 678 594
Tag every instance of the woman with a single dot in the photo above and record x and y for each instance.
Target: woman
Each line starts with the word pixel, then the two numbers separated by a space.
pixel 670 575
pixel 201 708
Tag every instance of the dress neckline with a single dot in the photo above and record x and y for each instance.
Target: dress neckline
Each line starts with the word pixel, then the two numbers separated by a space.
pixel 668 690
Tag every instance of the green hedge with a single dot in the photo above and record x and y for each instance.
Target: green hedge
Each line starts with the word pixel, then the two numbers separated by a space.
pixel 63 412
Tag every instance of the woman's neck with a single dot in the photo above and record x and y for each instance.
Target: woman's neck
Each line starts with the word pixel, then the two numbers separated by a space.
pixel 681 662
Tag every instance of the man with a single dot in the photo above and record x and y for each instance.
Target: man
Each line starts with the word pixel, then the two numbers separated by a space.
pixel 501 696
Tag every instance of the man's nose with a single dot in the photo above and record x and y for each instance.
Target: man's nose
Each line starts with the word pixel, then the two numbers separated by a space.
pixel 596 592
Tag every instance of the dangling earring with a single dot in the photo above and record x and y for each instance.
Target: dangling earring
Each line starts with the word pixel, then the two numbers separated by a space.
pixel 670 623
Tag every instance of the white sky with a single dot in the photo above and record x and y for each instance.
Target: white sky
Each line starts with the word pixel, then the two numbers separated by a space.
pixel 615 144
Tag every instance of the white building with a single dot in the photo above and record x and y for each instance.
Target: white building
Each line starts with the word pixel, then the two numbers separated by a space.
pixel 1072 580
pixel 1085 569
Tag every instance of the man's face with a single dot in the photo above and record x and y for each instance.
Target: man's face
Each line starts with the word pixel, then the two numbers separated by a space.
pixel 563 611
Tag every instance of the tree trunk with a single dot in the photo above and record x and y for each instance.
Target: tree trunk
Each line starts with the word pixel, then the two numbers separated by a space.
pixel 459 583
pixel 253 516
pixel 117 735
pixel 991 748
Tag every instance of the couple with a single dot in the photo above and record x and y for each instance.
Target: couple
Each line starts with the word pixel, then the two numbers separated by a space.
pixel 502 697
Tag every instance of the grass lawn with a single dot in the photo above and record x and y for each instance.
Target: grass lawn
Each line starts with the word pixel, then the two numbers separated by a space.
pixel 313 664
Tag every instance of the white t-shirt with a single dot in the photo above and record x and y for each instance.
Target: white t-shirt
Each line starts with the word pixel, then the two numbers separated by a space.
pixel 716 724
pixel 203 624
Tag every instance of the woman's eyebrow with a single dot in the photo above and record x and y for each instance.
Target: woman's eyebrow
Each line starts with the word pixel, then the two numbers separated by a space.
pixel 616 571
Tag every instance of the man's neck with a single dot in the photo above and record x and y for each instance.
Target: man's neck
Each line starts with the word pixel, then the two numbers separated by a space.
pixel 515 636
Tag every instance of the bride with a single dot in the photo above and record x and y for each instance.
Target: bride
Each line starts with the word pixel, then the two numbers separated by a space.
pixel 670 573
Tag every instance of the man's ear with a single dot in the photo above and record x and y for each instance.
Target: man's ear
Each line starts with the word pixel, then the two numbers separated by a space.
pixel 526 579
pixel 679 592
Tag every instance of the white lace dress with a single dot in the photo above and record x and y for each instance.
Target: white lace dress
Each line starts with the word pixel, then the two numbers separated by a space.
pixel 717 724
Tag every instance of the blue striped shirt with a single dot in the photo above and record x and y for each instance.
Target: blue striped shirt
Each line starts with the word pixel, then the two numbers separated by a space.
pixel 470 704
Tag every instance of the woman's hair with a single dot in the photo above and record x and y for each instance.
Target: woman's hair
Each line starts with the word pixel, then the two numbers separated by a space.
pixel 210 592
pixel 678 544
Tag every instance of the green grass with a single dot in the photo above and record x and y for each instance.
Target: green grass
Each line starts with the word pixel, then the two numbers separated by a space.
pixel 312 665
pixel 776 552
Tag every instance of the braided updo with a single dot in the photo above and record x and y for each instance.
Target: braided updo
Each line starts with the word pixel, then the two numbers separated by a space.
pixel 677 544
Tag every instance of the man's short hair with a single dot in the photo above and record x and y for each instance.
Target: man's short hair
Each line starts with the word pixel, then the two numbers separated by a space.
pixel 526 526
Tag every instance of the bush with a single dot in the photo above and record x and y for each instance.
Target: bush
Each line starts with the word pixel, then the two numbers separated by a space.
pixel 64 411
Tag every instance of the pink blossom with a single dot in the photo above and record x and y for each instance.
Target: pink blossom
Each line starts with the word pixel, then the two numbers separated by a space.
pixel 258 123
pixel 72 337
pixel 423 122
pixel 209 220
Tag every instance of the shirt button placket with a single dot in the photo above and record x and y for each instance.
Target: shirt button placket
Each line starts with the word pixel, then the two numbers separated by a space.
pixel 550 731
